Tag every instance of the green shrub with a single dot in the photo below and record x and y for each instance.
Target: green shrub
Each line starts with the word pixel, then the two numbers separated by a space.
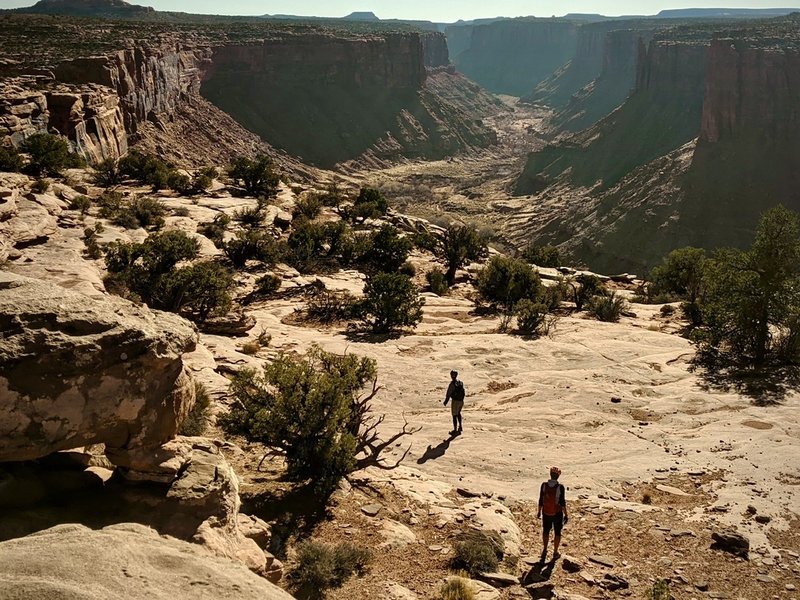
pixel 478 552
pixel 437 280
pixel 390 302
pixel 180 183
pixel 327 306
pixel 531 316
pixel 353 248
pixel 308 206
pixel 542 256
pixel 145 169
pixel 141 211
pixel 257 176
pixel 49 154
pixel 456 588
pixel 554 295
pixel 679 274
pixel 306 245
pixel 249 217
pixel 461 245
pixel 215 229
pixel 308 408
pixel 90 240
pixel 197 291
pixel 333 196
pixel 200 183
pixel 584 288
pixel 659 591
pixel 149 271
pixel 407 269
pixel 388 251
pixel 506 281
pixel 321 567
pixel 425 241
pixel 751 299
pixel 81 203
pixel 10 159
pixel 40 186
pixel 251 244
pixel 107 173
pixel 607 308
pixel 196 421
pixel 369 204
pixel 268 284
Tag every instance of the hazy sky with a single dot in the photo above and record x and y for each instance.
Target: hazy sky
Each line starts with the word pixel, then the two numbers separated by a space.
pixel 437 10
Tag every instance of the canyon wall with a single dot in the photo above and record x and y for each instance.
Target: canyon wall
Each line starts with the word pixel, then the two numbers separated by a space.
pixel 662 114
pixel 513 56
pixel 611 87
pixel 709 140
pixel 325 96
pixel 329 100
pixel 89 116
pixel 558 88
pixel 748 151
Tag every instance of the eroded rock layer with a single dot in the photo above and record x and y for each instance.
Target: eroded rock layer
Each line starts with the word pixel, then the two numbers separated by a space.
pixel 80 371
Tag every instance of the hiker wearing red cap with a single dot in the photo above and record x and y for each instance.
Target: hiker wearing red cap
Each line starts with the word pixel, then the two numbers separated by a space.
pixel 553 505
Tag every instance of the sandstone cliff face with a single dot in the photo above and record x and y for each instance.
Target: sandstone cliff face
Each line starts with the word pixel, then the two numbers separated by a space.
pixel 149 81
pixel 514 56
pixel 435 51
pixel 78 371
pixel 750 91
pixel 662 114
pixel 329 100
pixel 748 152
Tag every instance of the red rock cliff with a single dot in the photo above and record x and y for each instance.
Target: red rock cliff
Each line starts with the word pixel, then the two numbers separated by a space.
pixel 751 92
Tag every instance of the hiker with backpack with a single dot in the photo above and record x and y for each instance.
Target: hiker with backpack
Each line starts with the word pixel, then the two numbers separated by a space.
pixel 552 511
pixel 456 393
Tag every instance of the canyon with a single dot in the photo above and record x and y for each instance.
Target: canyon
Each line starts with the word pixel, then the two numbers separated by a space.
pixel 615 140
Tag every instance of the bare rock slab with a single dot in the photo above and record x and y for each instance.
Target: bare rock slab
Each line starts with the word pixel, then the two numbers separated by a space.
pixel 599 559
pixel 126 561
pixel 499 580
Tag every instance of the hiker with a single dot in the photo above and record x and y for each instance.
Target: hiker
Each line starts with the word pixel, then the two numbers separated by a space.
pixel 456 393
pixel 553 505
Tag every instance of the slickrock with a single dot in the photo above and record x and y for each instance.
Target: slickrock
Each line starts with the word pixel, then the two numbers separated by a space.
pixel 122 562
pixel 80 371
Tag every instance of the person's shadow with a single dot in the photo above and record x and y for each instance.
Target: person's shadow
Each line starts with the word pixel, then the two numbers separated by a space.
pixel 434 452
pixel 539 572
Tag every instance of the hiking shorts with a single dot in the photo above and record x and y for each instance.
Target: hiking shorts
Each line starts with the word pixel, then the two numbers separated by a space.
pixel 456 406
pixel 553 522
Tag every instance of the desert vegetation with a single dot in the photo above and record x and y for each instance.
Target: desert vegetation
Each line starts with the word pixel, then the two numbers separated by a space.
pixel 743 305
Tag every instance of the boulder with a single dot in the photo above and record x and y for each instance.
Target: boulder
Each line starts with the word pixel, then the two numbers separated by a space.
pixel 80 371
pixel 396 535
pixel 730 540
pixel 122 562
pixel 234 324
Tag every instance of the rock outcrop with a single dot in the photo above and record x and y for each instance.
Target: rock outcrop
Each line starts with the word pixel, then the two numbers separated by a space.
pixel 79 371
pixel 122 562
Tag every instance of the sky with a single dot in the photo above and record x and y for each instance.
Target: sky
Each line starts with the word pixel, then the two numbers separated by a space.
pixel 438 10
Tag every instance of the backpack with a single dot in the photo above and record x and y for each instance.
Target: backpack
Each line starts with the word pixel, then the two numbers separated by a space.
pixel 550 499
pixel 458 391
